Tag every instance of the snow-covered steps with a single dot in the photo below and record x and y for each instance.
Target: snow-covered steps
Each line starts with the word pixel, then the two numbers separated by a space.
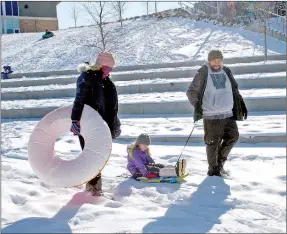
pixel 235 60
pixel 147 103
pixel 259 127
pixel 167 73
pixel 27 82
pixel 246 81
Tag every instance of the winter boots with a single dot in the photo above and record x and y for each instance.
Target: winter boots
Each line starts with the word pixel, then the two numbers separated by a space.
pixel 170 171
pixel 94 186
pixel 180 167
pixel 216 171
pixel 213 171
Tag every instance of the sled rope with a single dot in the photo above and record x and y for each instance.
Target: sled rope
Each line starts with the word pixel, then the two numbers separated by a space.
pixel 186 142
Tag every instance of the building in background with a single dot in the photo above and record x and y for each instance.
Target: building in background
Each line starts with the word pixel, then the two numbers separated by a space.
pixel 22 17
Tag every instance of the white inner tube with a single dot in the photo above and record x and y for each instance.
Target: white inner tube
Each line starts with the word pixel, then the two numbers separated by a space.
pixel 62 173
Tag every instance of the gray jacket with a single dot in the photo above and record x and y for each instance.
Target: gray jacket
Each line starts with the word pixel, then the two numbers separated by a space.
pixel 197 87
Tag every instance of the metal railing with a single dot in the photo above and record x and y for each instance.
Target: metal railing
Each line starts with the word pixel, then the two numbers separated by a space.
pixel 202 6
pixel 274 22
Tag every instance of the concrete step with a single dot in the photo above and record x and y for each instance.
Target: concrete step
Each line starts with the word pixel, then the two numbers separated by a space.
pixel 250 59
pixel 169 73
pixel 162 85
pixel 259 127
pixel 150 103
pixel 243 138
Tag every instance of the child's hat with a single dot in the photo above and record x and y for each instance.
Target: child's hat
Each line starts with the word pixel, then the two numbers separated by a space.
pixel 143 139
pixel 105 59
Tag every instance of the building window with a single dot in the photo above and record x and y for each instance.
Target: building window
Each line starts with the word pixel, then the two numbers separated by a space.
pixel 8 7
pixel 15 8
pixel 12 25
pixel 9 23
pixel 1 8
pixel 11 8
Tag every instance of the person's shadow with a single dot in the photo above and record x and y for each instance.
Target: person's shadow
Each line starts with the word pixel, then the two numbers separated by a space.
pixel 56 224
pixel 198 213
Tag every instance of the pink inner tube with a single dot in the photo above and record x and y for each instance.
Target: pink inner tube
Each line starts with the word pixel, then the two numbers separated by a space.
pixel 62 173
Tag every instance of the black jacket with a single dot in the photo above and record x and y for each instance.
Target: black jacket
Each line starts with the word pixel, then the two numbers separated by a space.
pixel 101 95
pixel 196 90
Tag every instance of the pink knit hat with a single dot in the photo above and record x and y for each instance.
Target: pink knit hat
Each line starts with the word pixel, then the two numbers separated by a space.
pixel 105 59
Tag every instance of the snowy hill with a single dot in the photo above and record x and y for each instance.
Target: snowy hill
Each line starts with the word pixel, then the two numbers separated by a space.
pixel 138 42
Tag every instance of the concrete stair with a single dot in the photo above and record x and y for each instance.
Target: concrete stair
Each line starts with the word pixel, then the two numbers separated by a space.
pixel 155 89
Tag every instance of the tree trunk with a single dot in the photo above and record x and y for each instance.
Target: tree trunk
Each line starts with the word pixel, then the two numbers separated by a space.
pixel 265 38
pixel 155 6
pixel 121 19
pixel 147 8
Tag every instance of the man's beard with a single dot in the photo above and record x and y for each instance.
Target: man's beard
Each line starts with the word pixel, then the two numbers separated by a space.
pixel 216 69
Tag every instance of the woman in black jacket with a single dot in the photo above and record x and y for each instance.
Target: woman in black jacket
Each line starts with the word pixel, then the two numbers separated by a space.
pixel 95 88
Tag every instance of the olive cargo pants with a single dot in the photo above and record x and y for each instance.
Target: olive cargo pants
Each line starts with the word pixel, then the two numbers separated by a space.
pixel 220 135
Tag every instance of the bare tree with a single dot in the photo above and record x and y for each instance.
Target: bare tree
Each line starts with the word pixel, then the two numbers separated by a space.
pixel 119 8
pixel 75 11
pixel 147 8
pixel 155 7
pixel 99 14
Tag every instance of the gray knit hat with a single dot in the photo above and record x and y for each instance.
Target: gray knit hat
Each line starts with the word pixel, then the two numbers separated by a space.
pixel 215 54
pixel 143 139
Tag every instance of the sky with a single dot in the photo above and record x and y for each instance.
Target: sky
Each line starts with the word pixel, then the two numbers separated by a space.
pixel 132 9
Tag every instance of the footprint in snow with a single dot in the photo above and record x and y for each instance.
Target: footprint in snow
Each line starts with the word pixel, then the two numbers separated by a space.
pixel 33 193
pixel 255 183
pixel 176 129
pixel 45 185
pixel 283 178
pixel 114 204
pixel 6 167
pixel 169 157
pixel 18 200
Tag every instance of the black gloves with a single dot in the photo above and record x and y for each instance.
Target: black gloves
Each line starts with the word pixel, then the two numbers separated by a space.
pixel 244 110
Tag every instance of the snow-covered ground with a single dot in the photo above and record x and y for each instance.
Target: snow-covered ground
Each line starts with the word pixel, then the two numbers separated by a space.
pixel 251 199
pixel 137 98
pixel 257 123
pixel 138 42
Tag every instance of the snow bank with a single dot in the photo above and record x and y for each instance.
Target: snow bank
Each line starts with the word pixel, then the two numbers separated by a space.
pixel 138 42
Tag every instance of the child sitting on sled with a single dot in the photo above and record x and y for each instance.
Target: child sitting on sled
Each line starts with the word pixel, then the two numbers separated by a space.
pixel 140 163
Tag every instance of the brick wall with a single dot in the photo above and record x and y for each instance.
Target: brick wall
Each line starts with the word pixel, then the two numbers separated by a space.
pixel 38 25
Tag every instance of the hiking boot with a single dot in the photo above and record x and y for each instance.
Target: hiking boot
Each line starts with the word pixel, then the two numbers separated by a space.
pixel 221 169
pixel 214 171
pixel 180 168
pixel 95 186
pixel 92 189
